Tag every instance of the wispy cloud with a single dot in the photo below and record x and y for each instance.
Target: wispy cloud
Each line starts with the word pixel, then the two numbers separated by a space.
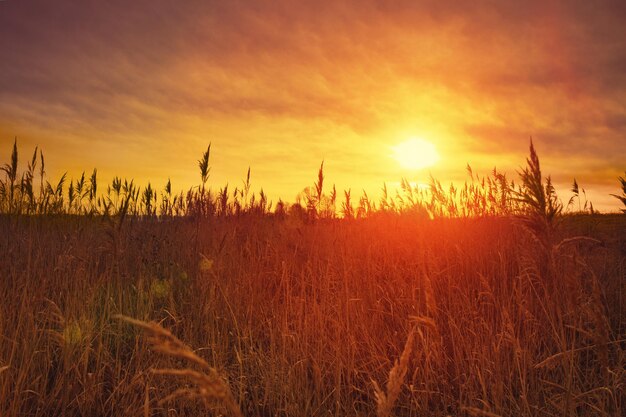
pixel 140 87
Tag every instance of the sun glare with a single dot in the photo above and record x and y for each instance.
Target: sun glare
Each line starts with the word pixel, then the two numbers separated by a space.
pixel 415 154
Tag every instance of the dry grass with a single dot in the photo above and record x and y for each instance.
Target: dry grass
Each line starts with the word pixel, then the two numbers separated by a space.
pixel 208 385
pixel 301 318
pixel 473 314
pixel 385 401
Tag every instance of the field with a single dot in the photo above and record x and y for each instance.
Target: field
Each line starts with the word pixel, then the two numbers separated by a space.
pixel 434 305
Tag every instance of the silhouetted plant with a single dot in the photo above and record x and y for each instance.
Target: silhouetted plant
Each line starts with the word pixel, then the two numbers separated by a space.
pixel 534 199
pixel 540 205
pixel 11 171
pixel 622 197
pixel 346 207
pixel 203 164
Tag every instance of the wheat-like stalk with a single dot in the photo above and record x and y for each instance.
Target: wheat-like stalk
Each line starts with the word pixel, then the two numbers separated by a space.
pixel 386 401
pixel 209 385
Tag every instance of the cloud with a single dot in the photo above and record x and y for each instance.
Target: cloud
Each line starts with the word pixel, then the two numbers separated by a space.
pixel 275 84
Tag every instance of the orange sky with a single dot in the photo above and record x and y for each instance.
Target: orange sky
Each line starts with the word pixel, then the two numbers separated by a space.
pixel 138 89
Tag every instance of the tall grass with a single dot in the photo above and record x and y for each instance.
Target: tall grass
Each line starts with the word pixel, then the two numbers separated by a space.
pixel 493 195
pixel 483 300
pixel 622 197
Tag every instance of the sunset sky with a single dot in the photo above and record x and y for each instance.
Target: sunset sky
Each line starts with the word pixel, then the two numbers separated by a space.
pixel 139 89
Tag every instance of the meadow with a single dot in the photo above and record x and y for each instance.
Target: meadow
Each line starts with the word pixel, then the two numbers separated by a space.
pixel 491 299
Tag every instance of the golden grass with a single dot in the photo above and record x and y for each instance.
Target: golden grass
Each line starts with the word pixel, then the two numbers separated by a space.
pixel 385 401
pixel 208 385
pixel 300 318
pixel 471 304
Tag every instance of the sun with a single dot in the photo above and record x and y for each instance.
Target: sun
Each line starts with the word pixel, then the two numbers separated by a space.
pixel 415 153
